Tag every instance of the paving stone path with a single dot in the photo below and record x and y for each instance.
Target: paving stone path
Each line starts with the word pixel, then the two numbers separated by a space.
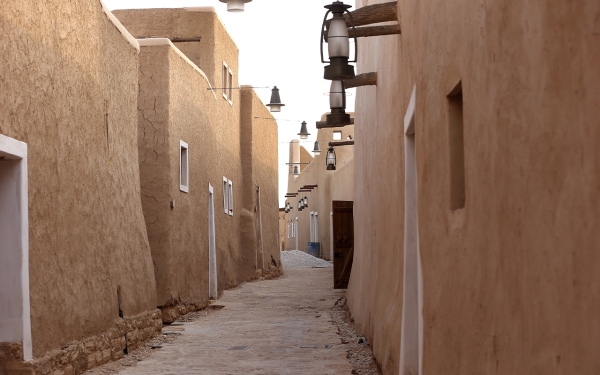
pixel 280 326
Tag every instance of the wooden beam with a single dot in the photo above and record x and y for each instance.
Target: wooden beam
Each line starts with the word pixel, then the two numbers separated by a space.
pixel 370 14
pixel 184 40
pixel 304 190
pixel 365 79
pixel 323 124
pixel 341 143
pixel 367 31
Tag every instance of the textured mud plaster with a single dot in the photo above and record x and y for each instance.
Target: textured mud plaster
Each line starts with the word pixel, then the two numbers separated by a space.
pixel 332 185
pixel 510 281
pixel 69 90
pixel 260 226
pixel 208 43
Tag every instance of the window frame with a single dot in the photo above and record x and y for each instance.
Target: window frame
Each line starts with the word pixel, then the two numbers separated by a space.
pixel 225 196
pixel 335 132
pixel 184 174
pixel 230 184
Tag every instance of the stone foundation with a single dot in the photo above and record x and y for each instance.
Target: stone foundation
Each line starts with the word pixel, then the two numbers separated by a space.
pixel 173 311
pixel 79 356
pixel 11 351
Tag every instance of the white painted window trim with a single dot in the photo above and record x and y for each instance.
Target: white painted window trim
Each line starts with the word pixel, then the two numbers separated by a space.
pixel 334 134
pixel 227 83
pixel 224 80
pixel 18 150
pixel 230 197
pixel 225 195
pixel 184 168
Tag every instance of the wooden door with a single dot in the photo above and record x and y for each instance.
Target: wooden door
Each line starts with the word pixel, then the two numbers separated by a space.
pixel 343 242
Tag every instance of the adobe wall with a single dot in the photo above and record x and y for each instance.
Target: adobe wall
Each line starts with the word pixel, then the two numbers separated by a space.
pixel 259 158
pixel 508 280
pixel 173 92
pixel 197 32
pixel 69 90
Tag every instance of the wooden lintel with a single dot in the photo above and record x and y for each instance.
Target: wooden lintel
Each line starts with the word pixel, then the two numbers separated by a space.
pixel 365 79
pixel 323 124
pixel 309 186
pixel 304 190
pixel 341 143
pixel 184 40
pixel 172 39
pixel 367 31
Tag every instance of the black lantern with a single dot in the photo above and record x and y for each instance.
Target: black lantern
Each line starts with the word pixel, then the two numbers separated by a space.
pixel 235 5
pixel 338 43
pixel 306 202
pixel 317 149
pixel 330 159
pixel 296 171
pixel 303 131
pixel 337 103
pixel 300 205
pixel 275 104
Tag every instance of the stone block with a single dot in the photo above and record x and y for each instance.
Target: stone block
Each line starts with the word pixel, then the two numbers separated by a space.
pixel 91 361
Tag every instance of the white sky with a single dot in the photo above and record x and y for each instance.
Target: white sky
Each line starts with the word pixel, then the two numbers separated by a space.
pixel 279 46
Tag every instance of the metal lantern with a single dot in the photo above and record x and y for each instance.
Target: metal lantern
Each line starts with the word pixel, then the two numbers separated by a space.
pixel 275 104
pixel 337 103
pixel 317 149
pixel 303 131
pixel 338 42
pixel 296 171
pixel 330 159
pixel 235 5
pixel 300 205
pixel 305 201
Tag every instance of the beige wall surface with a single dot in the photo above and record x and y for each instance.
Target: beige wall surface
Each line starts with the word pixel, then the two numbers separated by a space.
pixel 69 90
pixel 197 32
pixel 510 280
pixel 260 168
pixel 332 185
pixel 175 106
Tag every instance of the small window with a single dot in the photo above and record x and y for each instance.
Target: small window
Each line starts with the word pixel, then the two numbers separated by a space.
pixel 227 83
pixel 225 196
pixel 224 83
pixel 457 148
pixel 230 189
pixel 184 168
pixel 337 136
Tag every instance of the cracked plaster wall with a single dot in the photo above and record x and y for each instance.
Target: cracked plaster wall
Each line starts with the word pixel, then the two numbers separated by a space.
pixel 68 83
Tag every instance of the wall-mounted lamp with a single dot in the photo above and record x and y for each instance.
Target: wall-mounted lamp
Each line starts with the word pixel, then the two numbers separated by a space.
pixel 338 43
pixel 337 103
pixel 303 131
pixel 317 149
pixel 235 5
pixel 275 104
pixel 306 202
pixel 330 159
pixel 296 171
pixel 300 205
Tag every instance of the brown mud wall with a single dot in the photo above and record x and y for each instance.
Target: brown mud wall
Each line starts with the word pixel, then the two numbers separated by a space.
pixel 259 144
pixel 69 90
pixel 510 281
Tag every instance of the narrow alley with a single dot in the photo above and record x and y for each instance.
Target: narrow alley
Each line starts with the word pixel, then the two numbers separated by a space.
pixel 281 326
